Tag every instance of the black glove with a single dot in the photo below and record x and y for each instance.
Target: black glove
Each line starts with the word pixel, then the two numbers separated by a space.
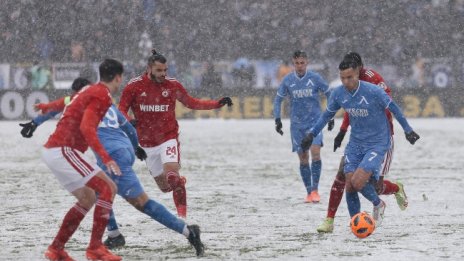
pixel 140 153
pixel 307 141
pixel 412 137
pixel 133 122
pixel 278 126
pixel 28 129
pixel 226 100
pixel 338 139
pixel 331 125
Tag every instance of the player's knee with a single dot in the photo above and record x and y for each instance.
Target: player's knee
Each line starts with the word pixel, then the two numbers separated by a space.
pixel 139 202
pixel 348 186
pixel 88 199
pixel 358 184
pixel 174 180
pixel 315 156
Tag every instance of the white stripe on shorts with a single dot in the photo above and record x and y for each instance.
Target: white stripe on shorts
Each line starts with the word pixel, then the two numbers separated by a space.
pixel 388 158
pixel 73 158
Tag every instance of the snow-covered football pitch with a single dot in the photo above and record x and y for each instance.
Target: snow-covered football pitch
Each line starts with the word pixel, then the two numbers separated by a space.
pixel 245 192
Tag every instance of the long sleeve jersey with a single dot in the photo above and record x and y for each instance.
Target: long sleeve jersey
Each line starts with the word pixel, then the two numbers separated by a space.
pixel 154 108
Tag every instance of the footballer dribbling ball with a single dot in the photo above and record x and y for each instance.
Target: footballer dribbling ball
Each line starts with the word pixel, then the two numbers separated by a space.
pixel 362 225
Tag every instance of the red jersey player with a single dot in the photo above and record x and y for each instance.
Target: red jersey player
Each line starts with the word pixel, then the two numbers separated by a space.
pixel 384 187
pixel 152 98
pixel 64 155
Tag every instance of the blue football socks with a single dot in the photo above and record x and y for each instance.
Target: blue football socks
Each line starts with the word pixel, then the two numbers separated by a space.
pixel 354 205
pixel 112 225
pixel 305 172
pixel 368 191
pixel 159 213
pixel 316 167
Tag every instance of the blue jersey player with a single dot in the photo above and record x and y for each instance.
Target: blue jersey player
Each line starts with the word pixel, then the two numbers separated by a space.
pixel 303 87
pixel 370 134
pixel 119 138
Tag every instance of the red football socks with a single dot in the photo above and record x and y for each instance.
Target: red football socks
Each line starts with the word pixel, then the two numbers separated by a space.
pixel 336 195
pixel 179 193
pixel 102 210
pixel 389 188
pixel 71 222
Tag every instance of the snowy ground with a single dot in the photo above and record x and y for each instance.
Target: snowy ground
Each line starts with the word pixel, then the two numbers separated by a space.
pixel 246 194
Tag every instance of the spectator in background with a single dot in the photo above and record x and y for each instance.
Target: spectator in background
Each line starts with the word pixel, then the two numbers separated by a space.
pixel 77 51
pixel 243 73
pixel 40 77
pixel 284 69
pixel 145 46
pixel 211 81
pixel 45 48
pixel 417 77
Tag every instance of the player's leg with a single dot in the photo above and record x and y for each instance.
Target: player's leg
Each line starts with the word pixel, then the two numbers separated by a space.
pixel 163 161
pixel 383 186
pixel 106 190
pixel 369 169
pixel 115 238
pixel 305 173
pixel 359 181
pixel 125 158
pixel 297 135
pixel 335 197
pixel 316 166
pixel 177 185
pixel 352 197
pixel 386 187
pixel 133 192
pixel 73 170
pixel 70 223
pixel 159 213
pixel 353 157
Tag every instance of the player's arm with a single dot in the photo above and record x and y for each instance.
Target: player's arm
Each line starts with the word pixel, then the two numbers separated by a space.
pixel 126 100
pixel 194 103
pixel 130 131
pixel 28 128
pixel 411 136
pixel 56 105
pixel 332 107
pixel 48 111
pixel 199 104
pixel 343 129
pixel 281 93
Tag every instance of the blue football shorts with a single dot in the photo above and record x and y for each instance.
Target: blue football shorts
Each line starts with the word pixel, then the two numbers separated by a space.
pixel 128 183
pixel 298 133
pixel 370 159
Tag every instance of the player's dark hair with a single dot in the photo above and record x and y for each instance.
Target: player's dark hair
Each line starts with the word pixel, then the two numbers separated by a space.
pixel 79 83
pixel 109 68
pixel 347 63
pixel 299 53
pixel 156 57
pixel 355 57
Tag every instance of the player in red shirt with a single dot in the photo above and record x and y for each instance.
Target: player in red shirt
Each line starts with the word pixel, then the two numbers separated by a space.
pixel 383 187
pixel 152 98
pixel 64 155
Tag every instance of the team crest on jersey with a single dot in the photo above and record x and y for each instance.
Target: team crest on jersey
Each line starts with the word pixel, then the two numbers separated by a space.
pixel 309 82
pixel 165 93
pixel 363 99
